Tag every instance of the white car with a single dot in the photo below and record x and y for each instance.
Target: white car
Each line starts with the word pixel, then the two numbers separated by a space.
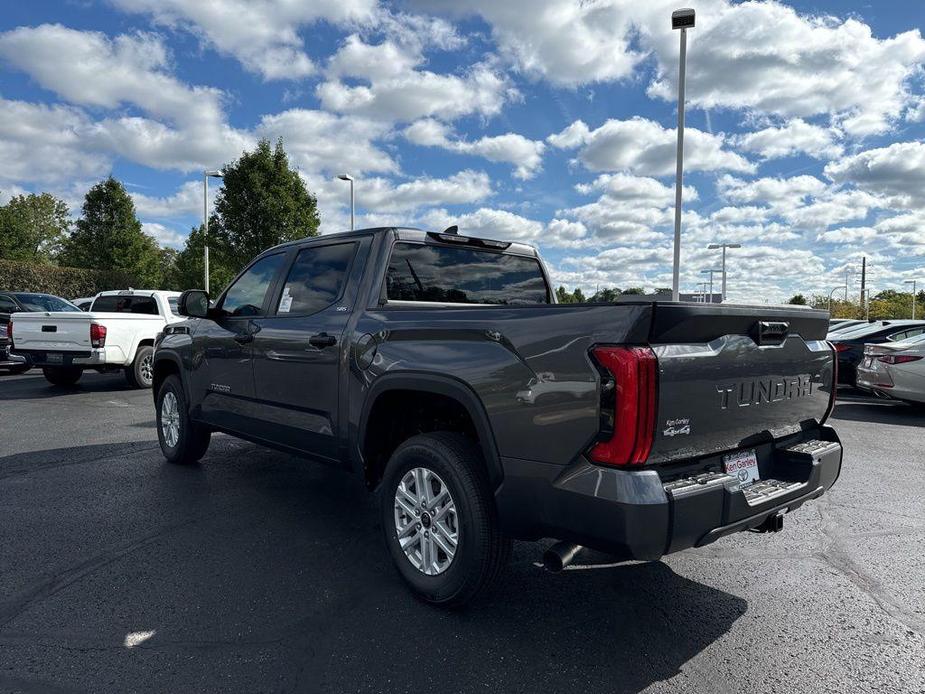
pixel 895 369
pixel 117 332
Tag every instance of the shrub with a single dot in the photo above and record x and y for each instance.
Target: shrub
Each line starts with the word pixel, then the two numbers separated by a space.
pixel 66 282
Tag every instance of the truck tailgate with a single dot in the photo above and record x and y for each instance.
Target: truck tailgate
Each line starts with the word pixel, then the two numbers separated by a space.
pixel 52 332
pixel 731 377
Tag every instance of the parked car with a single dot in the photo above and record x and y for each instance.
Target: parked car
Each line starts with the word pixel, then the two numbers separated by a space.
pixel 17 302
pixel 116 334
pixel 84 303
pixel 895 369
pixel 840 324
pixel 850 344
pixel 406 356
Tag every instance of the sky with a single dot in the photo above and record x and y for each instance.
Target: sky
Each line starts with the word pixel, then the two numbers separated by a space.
pixel 551 122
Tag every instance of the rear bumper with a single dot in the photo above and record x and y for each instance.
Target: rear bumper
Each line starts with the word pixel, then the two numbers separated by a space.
pixel 638 515
pixel 91 358
pixel 8 360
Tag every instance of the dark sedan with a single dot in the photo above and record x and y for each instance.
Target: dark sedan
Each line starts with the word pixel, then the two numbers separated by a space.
pixel 849 344
pixel 14 302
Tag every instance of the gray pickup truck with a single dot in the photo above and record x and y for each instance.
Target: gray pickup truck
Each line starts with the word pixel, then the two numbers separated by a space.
pixel 440 368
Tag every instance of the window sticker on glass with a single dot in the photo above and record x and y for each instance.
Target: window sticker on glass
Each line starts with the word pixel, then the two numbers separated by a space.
pixel 285 302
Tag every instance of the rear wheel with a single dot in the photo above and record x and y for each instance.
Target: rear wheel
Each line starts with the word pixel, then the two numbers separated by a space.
pixel 62 375
pixel 182 441
pixel 141 372
pixel 439 519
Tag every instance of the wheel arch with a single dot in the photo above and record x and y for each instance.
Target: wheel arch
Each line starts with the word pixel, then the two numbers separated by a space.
pixel 425 384
pixel 165 364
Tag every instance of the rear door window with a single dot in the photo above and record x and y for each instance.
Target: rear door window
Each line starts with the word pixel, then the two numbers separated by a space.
pixel 419 272
pixel 316 279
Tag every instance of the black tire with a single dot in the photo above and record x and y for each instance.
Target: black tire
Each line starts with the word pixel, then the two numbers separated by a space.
pixel 192 439
pixel 16 370
pixel 482 552
pixel 62 375
pixel 141 372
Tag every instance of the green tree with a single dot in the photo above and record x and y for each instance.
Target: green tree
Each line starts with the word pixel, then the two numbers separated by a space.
pixel 32 227
pixel 797 300
pixel 186 269
pixel 109 236
pixel 605 296
pixel 263 202
pixel 634 291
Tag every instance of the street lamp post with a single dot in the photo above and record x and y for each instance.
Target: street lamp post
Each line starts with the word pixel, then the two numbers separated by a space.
pixel 348 177
pixel 711 271
pixel 835 289
pixel 214 173
pixel 680 19
pixel 724 246
pixel 702 290
pixel 912 282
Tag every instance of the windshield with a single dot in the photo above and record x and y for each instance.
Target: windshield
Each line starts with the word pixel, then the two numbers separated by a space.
pixel 856 331
pixel 419 272
pixel 45 302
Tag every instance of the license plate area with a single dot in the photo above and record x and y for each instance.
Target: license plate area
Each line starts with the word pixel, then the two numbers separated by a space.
pixel 743 465
pixel 54 358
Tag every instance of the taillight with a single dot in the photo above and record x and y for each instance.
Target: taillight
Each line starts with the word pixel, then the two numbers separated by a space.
pixel 832 394
pixel 97 335
pixel 628 405
pixel 897 358
pixel 841 347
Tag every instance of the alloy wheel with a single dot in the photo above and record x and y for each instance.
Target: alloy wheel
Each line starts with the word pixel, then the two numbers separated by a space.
pixel 426 521
pixel 170 419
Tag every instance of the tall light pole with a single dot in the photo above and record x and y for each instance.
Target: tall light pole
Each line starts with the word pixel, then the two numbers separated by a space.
pixel 724 246
pixel 711 271
pixel 865 302
pixel 680 19
pixel 214 173
pixel 348 177
pixel 702 290
pixel 912 282
pixel 835 289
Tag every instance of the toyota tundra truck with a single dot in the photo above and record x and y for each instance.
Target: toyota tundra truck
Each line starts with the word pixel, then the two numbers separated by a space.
pixel 439 367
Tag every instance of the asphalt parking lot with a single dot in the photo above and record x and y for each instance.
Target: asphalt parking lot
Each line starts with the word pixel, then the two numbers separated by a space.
pixel 257 571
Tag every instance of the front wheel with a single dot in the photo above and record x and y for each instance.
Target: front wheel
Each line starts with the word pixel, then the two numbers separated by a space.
pixel 439 519
pixel 182 441
pixel 62 375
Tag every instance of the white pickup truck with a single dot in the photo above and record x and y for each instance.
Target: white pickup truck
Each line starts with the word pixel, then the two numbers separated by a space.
pixel 116 333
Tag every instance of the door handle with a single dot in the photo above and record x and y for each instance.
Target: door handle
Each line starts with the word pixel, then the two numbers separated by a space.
pixel 322 340
pixel 244 338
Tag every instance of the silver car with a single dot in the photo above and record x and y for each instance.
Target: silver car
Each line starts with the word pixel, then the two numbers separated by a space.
pixel 895 369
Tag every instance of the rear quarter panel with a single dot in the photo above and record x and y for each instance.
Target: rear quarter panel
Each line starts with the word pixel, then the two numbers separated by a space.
pixel 529 366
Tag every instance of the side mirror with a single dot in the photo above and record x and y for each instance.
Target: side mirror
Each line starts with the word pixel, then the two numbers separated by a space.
pixel 193 303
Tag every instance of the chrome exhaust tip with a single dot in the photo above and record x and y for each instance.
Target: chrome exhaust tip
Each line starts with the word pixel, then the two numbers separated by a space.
pixel 560 555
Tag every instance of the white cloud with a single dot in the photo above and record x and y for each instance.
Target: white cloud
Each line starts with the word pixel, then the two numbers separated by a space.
pixel 565 42
pixel 88 68
pixel 93 70
pixel 488 223
pixel 320 142
pixel 847 235
pixel 897 170
pixel 764 56
pixel 644 147
pixel 776 192
pixel 187 201
pixel 525 154
pixel 790 139
pixel 263 36
pixel 417 94
pixel 165 236
pixel 465 187
pixel 45 143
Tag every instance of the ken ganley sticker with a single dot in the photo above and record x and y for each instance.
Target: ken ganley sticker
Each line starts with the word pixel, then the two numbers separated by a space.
pixel 675 427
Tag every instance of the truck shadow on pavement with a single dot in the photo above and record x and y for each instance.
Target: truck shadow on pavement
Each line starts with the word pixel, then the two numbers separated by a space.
pixel 33 386
pixel 259 571
pixel 880 412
